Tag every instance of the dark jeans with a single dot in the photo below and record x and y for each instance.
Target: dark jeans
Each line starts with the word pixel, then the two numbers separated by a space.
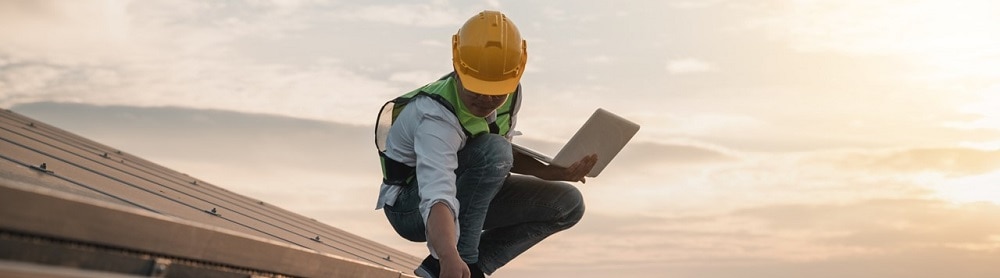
pixel 501 215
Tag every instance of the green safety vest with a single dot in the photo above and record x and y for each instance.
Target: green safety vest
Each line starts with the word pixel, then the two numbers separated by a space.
pixel 444 92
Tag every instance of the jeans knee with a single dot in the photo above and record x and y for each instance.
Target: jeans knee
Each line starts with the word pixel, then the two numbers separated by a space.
pixel 490 149
pixel 575 207
pixel 497 148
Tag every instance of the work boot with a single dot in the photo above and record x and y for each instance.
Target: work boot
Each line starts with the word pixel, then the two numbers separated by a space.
pixel 429 268
pixel 476 272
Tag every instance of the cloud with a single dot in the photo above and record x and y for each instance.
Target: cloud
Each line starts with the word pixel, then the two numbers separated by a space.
pixel 694 4
pixel 865 238
pixel 18 79
pixel 274 57
pixel 983 107
pixel 951 40
pixel 435 43
pixel 687 179
pixel 554 14
pixel 601 59
pixel 637 154
pixel 706 124
pixel 74 32
pixel 422 15
pixel 414 78
pixel 960 175
pixel 889 225
pixel 322 92
pixel 255 142
pixel 862 26
pixel 924 263
pixel 188 54
pixel 950 161
pixel 495 4
pixel 689 65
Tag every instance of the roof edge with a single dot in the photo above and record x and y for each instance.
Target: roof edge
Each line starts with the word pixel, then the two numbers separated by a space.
pixel 30 209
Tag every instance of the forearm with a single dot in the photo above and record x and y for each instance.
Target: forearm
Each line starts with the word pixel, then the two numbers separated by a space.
pixel 527 165
pixel 441 231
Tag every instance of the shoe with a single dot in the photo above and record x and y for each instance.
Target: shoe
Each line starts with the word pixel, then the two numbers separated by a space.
pixel 476 272
pixel 429 268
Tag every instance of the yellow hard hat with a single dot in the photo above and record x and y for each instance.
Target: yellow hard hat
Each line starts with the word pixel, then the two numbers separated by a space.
pixel 489 54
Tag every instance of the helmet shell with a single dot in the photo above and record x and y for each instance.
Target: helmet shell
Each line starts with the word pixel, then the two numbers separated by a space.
pixel 489 54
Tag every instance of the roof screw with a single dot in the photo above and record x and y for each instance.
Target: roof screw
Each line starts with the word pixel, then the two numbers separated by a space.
pixel 31 124
pixel 213 212
pixel 105 155
pixel 316 239
pixel 388 258
pixel 42 167
pixel 194 182
pixel 118 151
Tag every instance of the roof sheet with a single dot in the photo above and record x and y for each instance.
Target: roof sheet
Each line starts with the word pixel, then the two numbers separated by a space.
pixel 65 164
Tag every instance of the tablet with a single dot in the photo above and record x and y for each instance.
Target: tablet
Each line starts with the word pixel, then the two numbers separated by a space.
pixel 604 134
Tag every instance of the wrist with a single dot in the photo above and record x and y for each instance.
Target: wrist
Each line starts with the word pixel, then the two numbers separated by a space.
pixel 548 172
pixel 448 255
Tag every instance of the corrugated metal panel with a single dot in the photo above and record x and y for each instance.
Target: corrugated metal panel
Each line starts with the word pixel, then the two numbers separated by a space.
pixel 81 167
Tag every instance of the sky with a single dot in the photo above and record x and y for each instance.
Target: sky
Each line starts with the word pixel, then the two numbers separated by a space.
pixel 780 138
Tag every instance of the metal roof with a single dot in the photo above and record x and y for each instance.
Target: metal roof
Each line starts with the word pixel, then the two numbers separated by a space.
pixel 64 198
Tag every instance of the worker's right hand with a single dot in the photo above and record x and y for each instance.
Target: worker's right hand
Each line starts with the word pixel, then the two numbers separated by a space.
pixel 454 267
pixel 576 172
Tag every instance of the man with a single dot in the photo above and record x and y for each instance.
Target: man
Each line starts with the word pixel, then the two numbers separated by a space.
pixel 447 161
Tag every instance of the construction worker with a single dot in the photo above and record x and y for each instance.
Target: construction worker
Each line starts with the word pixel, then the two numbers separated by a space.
pixel 447 161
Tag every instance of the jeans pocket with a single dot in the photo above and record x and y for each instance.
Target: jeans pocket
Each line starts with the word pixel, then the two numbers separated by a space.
pixel 408 223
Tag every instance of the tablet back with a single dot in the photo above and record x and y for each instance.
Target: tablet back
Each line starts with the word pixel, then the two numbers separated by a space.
pixel 604 134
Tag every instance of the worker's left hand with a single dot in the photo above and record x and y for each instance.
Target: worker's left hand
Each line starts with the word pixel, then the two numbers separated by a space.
pixel 576 172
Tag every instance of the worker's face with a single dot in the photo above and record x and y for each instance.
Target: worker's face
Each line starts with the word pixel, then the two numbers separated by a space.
pixel 478 104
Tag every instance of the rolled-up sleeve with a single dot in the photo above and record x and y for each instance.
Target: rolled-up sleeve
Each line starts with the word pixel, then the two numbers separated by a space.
pixel 436 143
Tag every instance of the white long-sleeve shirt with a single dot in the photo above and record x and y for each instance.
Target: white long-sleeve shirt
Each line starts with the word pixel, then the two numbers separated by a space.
pixel 428 136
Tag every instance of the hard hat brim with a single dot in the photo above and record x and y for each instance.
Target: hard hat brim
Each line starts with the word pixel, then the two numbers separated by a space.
pixel 484 87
